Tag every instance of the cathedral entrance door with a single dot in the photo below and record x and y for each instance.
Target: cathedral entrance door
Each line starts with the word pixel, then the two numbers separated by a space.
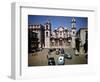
pixel 60 43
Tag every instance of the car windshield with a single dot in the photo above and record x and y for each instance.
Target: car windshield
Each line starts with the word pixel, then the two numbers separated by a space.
pixel 60 58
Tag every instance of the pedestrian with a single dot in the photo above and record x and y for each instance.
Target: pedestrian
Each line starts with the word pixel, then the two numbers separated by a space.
pixel 49 51
pixel 76 52
pixel 62 51
pixel 41 49
pixel 47 56
pixel 86 47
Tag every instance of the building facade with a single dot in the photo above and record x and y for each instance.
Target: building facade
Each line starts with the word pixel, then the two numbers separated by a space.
pixel 61 37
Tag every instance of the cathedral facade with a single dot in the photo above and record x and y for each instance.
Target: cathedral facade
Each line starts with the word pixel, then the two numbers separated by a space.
pixel 60 37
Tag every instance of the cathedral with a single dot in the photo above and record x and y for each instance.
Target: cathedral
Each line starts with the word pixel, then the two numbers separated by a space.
pixel 60 37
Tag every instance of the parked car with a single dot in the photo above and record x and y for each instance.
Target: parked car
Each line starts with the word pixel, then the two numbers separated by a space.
pixel 38 49
pixel 61 60
pixel 32 49
pixel 68 56
pixel 54 49
pixel 51 61
pixel 50 50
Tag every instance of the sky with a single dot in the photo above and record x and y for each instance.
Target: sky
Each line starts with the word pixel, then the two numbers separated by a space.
pixel 57 21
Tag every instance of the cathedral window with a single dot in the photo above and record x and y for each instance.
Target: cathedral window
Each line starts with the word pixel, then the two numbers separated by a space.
pixel 73 32
pixel 64 41
pixel 46 27
pixel 60 32
pixel 46 34
pixel 64 34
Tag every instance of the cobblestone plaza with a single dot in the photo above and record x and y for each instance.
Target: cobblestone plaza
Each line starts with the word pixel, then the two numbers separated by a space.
pixel 40 58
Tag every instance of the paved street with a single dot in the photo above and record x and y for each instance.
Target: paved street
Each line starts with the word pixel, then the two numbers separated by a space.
pixel 40 58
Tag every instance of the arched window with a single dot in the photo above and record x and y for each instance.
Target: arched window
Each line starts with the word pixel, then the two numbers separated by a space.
pixel 46 27
pixel 73 32
pixel 46 34
pixel 60 32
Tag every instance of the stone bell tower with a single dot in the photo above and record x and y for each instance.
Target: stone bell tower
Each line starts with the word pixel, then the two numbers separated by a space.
pixel 47 34
pixel 73 32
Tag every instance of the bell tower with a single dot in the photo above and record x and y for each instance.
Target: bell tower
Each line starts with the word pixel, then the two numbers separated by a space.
pixel 73 32
pixel 73 28
pixel 47 34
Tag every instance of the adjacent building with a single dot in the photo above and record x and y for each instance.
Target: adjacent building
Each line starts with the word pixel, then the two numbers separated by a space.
pixel 39 30
pixel 32 41
pixel 82 36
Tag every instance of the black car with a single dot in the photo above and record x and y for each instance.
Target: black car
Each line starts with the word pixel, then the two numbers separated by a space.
pixel 51 61
pixel 51 50
pixel 68 56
